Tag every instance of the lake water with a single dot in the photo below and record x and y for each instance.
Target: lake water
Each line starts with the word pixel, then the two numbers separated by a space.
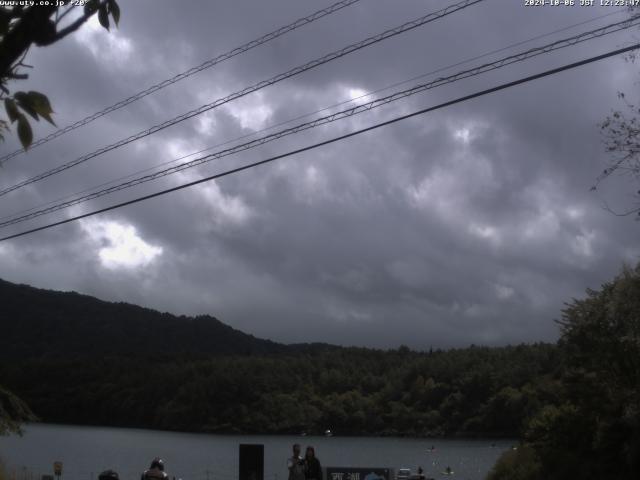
pixel 86 451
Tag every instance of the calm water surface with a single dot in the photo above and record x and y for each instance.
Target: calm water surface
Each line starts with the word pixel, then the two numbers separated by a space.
pixel 85 451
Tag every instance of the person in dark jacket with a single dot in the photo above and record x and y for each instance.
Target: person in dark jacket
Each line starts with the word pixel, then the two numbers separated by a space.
pixel 155 471
pixel 312 468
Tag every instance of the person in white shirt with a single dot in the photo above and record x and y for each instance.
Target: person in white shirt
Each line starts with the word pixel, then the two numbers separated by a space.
pixel 295 464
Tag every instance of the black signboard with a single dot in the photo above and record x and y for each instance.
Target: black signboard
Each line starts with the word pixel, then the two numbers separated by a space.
pixel 251 462
pixel 349 473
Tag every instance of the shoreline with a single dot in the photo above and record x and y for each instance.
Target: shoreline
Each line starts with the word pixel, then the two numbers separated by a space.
pixel 475 437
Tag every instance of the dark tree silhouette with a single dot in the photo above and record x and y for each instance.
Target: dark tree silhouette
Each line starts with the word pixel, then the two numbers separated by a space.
pixel 21 27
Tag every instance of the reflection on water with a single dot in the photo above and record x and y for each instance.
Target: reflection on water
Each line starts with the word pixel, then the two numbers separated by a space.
pixel 85 451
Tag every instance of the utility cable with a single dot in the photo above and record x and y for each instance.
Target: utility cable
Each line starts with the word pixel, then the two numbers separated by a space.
pixel 186 74
pixel 509 60
pixel 247 90
pixel 332 140
pixel 309 114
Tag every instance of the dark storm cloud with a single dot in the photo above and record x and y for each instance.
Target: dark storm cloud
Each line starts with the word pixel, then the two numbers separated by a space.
pixel 472 224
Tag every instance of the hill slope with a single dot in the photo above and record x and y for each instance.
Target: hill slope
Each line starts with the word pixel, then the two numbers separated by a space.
pixel 77 359
pixel 38 323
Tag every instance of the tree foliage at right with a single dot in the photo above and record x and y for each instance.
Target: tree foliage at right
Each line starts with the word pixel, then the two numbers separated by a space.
pixel 621 136
pixel 592 431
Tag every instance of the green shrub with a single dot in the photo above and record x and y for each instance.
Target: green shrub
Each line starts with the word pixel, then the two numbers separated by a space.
pixel 517 464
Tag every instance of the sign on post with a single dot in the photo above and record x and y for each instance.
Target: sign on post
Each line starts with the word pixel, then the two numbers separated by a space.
pixel 349 473
pixel 251 462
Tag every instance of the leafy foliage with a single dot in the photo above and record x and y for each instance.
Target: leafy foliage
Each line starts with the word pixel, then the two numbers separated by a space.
pixel 592 429
pixel 350 390
pixel 13 412
pixel 621 135
pixel 20 28
pixel 33 103
pixel 521 463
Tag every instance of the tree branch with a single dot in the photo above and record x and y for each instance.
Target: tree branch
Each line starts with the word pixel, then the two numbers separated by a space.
pixel 64 14
pixel 606 207
pixel 75 25
pixel 22 35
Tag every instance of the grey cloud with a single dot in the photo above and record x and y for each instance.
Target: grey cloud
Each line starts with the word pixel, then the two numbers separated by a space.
pixel 472 224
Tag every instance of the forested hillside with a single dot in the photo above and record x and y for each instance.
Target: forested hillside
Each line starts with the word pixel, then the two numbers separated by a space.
pixel 38 323
pixel 77 359
pixel 475 391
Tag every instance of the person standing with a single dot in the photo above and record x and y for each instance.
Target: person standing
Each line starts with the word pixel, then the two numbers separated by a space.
pixel 295 464
pixel 155 471
pixel 312 468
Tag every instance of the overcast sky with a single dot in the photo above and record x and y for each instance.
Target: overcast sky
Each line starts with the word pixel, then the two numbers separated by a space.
pixel 471 224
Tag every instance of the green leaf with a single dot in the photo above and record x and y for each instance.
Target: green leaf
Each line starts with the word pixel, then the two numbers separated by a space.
pixel 40 103
pixel 103 16
pixel 90 7
pixel 24 102
pixel 24 131
pixel 114 10
pixel 12 110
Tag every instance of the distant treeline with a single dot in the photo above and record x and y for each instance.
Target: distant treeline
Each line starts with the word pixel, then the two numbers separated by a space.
pixel 473 391
pixel 77 359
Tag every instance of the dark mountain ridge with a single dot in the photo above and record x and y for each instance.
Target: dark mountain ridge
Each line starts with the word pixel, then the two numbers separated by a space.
pixel 38 323
pixel 76 359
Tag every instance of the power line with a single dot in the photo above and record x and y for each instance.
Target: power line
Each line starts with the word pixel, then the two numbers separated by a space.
pixel 332 140
pixel 351 100
pixel 192 71
pixel 247 90
pixel 509 60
